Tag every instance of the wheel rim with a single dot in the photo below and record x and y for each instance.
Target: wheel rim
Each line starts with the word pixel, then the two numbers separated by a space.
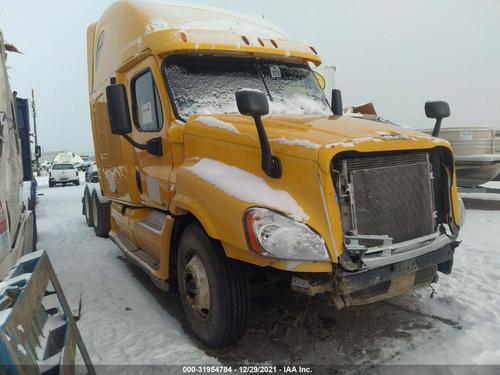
pixel 197 289
pixel 94 211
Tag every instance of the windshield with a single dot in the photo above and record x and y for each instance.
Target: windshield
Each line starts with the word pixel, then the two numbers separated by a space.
pixel 58 167
pixel 207 85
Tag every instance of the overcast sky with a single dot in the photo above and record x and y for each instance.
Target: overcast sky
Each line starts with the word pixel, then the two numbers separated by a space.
pixel 396 53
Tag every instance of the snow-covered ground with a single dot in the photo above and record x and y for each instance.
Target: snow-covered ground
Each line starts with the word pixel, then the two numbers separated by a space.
pixel 121 322
pixel 126 320
pixel 469 300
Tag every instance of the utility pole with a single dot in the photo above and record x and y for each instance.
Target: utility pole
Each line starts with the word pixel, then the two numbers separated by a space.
pixel 37 158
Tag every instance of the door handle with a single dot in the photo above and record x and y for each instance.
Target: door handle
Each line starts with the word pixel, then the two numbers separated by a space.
pixel 138 181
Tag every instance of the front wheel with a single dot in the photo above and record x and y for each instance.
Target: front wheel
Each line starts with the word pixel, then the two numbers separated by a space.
pixel 212 288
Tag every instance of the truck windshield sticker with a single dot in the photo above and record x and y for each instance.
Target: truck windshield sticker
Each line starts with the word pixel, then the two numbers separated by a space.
pixel 275 71
pixel 146 113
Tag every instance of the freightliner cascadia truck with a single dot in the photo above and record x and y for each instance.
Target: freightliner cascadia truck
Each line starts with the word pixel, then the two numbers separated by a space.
pixel 222 163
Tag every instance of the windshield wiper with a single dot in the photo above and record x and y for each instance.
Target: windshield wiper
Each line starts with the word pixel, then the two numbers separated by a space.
pixel 257 66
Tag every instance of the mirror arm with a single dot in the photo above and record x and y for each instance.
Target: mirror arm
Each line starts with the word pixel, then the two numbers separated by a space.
pixel 269 163
pixel 140 146
pixel 153 146
pixel 437 128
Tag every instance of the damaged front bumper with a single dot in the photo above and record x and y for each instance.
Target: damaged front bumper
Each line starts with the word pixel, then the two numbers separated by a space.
pixel 384 276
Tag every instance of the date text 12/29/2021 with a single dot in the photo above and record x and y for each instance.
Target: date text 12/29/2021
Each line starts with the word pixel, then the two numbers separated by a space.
pixel 247 369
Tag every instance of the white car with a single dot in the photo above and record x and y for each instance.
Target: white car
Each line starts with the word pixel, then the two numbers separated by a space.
pixel 63 173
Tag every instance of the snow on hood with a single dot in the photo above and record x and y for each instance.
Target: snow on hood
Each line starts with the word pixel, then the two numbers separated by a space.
pixel 296 142
pixel 215 123
pixel 246 187
pixel 303 136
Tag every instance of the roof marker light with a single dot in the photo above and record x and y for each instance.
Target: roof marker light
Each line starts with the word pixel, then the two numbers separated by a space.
pixel 314 50
pixel 261 42
pixel 245 39
pixel 274 43
pixel 184 36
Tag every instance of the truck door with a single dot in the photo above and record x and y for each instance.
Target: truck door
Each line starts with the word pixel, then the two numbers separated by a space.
pixel 150 117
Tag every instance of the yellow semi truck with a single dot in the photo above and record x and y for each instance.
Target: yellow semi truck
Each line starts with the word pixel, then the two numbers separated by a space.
pixel 220 159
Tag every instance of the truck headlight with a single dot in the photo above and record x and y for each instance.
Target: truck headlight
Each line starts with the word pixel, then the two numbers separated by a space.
pixel 272 234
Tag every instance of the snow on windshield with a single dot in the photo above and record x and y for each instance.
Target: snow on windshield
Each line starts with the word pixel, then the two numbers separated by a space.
pixel 203 85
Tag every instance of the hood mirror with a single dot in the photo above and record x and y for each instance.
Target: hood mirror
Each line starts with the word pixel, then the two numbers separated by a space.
pixel 254 103
pixel 437 110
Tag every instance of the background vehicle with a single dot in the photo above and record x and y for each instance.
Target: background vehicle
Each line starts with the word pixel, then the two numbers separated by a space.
pixel 68 157
pixel 17 199
pixel 201 189
pixel 91 174
pixel 63 173
pixel 84 166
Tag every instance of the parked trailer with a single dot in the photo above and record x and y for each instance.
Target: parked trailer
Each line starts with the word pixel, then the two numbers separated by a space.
pixel 38 334
pixel 17 199
pixel 476 159
pixel 201 189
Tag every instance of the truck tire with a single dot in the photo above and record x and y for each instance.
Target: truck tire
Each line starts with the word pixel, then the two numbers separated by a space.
pixel 212 288
pixel 87 207
pixel 77 182
pixel 100 216
pixel 51 184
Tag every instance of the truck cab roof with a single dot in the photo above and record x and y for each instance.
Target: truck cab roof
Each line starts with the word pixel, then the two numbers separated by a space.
pixel 164 29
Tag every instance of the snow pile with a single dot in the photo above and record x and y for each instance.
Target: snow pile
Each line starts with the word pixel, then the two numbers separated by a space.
pixel 341 143
pixel 296 142
pixel 246 187
pixel 215 123
pixel 22 349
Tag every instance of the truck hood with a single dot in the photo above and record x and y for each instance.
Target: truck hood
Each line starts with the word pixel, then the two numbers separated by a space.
pixel 305 136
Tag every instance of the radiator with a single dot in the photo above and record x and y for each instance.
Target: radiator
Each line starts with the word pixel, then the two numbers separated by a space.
pixel 391 195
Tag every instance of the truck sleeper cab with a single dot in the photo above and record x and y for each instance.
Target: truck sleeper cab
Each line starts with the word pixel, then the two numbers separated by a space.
pixel 218 156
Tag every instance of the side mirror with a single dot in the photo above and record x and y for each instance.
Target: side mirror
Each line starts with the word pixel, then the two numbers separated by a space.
pixel 254 103
pixel 337 102
pixel 38 151
pixel 437 110
pixel 119 119
pixel 119 115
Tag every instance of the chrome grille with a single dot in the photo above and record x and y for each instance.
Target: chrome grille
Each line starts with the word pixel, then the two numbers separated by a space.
pixel 391 195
